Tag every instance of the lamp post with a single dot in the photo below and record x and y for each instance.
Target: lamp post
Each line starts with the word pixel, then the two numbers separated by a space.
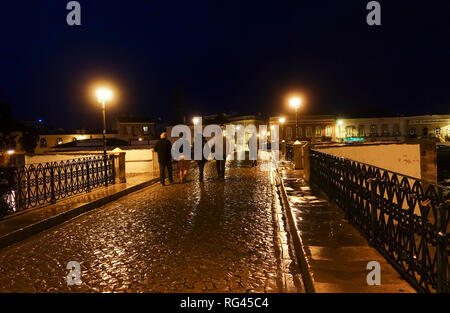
pixel 104 95
pixel 295 103
pixel 282 120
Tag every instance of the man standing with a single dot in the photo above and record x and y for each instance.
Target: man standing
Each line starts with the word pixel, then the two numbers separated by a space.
pixel 164 148
pixel 201 163
pixel 220 164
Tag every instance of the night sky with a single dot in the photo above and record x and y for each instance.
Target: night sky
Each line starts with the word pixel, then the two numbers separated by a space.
pixel 225 56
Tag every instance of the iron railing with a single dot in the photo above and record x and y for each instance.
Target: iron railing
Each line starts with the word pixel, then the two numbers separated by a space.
pixel 404 218
pixel 38 184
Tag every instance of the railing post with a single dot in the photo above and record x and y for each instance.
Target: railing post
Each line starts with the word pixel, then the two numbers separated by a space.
pixel 373 212
pixel 88 182
pixel 283 149
pixel 441 252
pixel 298 155
pixel 52 184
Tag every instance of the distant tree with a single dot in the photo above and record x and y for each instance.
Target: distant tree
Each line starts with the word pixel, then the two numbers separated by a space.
pixel 178 110
pixel 7 128
pixel 29 139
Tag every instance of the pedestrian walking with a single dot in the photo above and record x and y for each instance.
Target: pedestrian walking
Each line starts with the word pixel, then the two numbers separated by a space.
pixel 201 163
pixel 164 149
pixel 220 164
pixel 183 167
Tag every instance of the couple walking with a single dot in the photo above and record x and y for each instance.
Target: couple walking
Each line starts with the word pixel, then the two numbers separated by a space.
pixel 164 148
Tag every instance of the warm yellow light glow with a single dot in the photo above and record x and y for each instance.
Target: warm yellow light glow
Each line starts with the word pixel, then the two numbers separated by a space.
pixel 10 152
pixel 104 95
pixel 282 120
pixel 268 134
pixel 195 120
pixel 340 122
pixel 272 127
pixel 295 102
pixel 140 139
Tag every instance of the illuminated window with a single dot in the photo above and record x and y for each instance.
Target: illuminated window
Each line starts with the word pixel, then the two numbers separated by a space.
pixel 349 131
pixel 362 131
pixel 308 132
pixel 328 131
pixel 289 132
pixel 318 131
pixel 145 129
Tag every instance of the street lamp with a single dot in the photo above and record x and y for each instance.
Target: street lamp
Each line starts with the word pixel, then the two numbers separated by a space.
pixel 282 120
pixel 104 95
pixel 295 102
pixel 195 120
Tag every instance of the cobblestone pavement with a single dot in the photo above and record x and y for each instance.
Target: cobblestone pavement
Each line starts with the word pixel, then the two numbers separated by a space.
pixel 218 236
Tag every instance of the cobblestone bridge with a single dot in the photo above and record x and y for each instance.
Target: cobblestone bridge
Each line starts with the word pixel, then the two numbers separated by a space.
pixel 216 236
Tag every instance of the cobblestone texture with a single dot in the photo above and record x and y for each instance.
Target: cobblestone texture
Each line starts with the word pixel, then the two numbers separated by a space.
pixel 218 236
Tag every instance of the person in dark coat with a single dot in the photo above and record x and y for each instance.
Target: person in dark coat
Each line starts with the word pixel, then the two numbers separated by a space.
pixel 254 137
pixel 164 149
pixel 201 163
pixel 220 164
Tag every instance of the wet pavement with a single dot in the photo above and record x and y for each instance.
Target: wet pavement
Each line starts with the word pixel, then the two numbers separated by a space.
pixel 216 236
pixel 336 253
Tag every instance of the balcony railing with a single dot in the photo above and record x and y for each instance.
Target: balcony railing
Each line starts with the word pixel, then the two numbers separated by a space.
pixel 404 218
pixel 38 184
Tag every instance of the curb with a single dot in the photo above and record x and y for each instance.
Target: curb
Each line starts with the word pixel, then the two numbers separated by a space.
pixel 33 229
pixel 297 240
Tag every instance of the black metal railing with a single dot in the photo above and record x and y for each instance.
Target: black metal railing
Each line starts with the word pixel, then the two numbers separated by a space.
pixel 404 218
pixel 38 184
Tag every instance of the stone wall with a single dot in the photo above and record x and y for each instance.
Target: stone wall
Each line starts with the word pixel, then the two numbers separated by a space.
pixel 416 159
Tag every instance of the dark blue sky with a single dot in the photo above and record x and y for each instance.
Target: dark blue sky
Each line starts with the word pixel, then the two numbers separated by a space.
pixel 235 55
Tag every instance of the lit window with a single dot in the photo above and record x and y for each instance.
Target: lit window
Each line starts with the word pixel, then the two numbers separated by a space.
pixel 328 131
pixel 362 131
pixel 308 132
pixel 289 132
pixel 349 131
pixel 318 131
pixel 145 129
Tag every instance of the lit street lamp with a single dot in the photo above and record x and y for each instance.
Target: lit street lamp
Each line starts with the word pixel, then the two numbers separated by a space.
pixel 195 120
pixel 104 95
pixel 295 103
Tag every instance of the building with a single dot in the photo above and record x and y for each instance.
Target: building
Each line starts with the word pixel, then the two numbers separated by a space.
pixel 136 129
pixel 314 128
pixel 371 129
pixel 426 126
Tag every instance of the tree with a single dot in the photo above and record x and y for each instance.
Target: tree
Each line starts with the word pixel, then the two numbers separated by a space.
pixel 29 139
pixel 7 128
pixel 178 113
